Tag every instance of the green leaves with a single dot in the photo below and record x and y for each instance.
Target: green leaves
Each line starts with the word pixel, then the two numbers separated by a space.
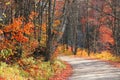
pixel 12 72
pixel 5 53
pixel 62 65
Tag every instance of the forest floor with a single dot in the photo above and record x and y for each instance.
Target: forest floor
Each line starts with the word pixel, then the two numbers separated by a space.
pixel 91 69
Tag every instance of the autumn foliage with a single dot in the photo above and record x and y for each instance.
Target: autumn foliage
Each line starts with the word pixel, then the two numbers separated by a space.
pixel 17 30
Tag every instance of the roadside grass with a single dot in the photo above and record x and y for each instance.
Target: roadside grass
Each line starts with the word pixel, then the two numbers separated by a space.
pixel 30 69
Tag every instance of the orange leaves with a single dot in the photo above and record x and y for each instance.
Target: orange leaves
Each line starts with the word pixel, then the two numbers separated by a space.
pixel 64 74
pixel 1 78
pixel 105 30
pixel 44 27
pixel 17 23
pixel 106 34
pixel 28 28
pixel 103 19
pixel 106 18
pixel 20 37
pixel 107 9
pixel 32 15
pixel 1 32
pixel 56 23
pixel 105 38
pixel 58 13
pixel 55 32
pixel 34 44
pixel 8 28
pixel 17 30
pixel 15 26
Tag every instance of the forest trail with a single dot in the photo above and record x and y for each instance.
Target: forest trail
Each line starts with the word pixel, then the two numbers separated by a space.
pixel 84 69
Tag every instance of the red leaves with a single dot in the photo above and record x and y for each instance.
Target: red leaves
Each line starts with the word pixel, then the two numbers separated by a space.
pixel 103 19
pixel 83 20
pixel 105 30
pixel 2 78
pixel 59 5
pixel 106 34
pixel 106 18
pixel 107 9
pixel 64 74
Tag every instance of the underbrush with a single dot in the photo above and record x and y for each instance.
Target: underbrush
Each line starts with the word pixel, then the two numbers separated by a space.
pixel 30 69
pixel 104 55
pixel 63 51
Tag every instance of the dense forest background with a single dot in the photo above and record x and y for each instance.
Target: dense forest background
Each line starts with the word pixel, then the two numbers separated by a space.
pixel 37 27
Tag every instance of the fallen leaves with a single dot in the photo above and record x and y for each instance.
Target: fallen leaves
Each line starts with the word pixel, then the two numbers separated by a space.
pixel 64 74
pixel 2 78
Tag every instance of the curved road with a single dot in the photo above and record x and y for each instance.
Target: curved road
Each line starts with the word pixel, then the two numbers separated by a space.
pixel 84 69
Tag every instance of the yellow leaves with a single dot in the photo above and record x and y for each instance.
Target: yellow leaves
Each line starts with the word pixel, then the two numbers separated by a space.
pixel 82 52
pixel 44 27
pixel 62 49
pixel 43 39
pixel 8 3
pixel 104 55
pixel 56 23
pixel 4 15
